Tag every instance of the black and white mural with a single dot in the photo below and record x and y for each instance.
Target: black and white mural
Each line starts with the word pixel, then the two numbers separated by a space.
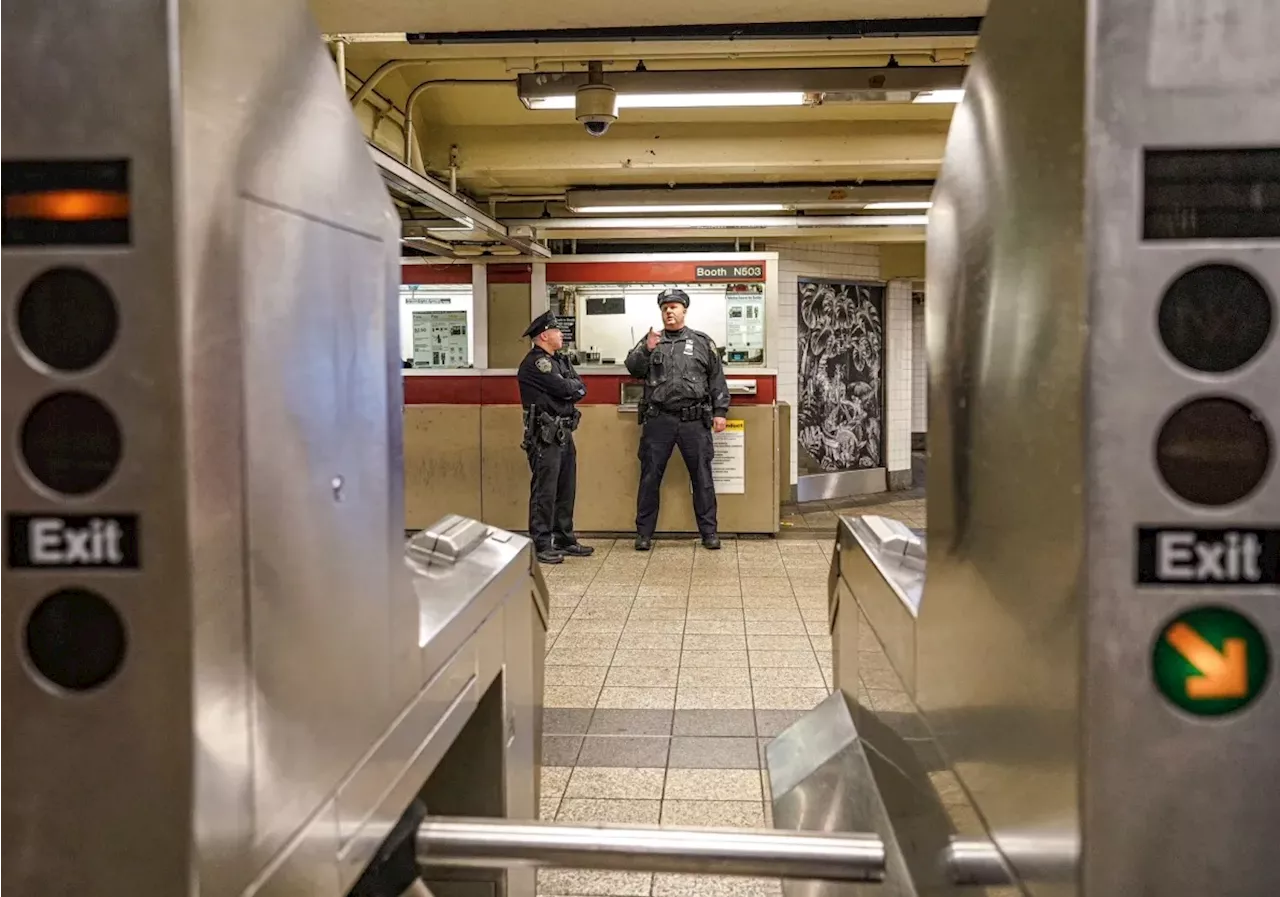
pixel 841 415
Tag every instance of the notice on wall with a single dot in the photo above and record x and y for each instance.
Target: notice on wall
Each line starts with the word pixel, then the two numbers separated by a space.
pixel 568 326
pixel 729 466
pixel 439 339
pixel 745 325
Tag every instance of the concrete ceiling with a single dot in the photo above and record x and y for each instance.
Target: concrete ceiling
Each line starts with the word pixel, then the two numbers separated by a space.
pixel 533 15
pixel 500 148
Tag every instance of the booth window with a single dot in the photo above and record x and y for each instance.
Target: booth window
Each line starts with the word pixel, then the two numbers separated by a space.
pixel 608 319
pixel 436 329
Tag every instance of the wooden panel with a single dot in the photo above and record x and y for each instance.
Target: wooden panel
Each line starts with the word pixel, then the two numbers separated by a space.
pixel 508 318
pixel 505 493
pixel 441 463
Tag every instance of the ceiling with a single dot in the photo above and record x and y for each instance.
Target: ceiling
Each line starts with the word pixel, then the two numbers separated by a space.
pixel 471 126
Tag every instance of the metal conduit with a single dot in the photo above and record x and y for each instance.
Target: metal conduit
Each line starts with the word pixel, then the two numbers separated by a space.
pixel 781 854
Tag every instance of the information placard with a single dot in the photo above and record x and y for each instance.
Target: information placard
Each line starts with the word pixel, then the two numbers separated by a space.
pixel 729 466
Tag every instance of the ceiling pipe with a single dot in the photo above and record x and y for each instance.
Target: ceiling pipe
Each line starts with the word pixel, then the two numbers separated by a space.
pixel 378 74
pixel 422 88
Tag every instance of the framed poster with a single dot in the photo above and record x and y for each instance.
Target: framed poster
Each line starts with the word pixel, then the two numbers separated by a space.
pixel 840 420
pixel 440 339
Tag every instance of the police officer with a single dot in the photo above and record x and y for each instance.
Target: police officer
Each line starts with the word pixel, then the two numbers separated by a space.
pixel 685 400
pixel 549 389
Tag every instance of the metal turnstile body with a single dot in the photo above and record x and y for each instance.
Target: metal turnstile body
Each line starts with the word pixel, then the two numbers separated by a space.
pixel 1101 598
pixel 217 676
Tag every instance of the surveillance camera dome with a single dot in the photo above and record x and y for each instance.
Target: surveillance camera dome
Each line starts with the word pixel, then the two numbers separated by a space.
pixel 596 107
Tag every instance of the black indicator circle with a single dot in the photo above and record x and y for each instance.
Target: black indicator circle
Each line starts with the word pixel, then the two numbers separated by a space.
pixel 71 443
pixel 1213 451
pixel 1215 318
pixel 75 639
pixel 67 319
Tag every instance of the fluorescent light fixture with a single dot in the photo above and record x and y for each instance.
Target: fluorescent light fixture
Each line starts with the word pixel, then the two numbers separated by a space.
pixel 897 206
pixel 799 222
pixel 939 96
pixel 682 100
pixel 691 208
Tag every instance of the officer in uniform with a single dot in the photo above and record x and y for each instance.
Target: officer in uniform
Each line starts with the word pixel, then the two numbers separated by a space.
pixel 549 389
pixel 685 400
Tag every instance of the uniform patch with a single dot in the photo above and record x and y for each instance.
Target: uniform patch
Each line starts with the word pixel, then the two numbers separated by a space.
pixel 688 348
pixel 543 364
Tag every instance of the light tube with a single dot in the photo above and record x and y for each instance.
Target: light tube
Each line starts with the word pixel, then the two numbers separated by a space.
pixel 940 96
pixel 682 100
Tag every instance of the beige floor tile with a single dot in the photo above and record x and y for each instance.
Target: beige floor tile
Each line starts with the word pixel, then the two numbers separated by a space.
pixel 712 784
pixel 786 677
pixel 699 658
pixel 730 613
pixel 697 642
pixel 713 627
pixel 715 677
pixel 656 613
pixel 581 883
pixel 592 677
pixel 778 643
pixel 646 657
pixel 616 812
pixel 667 641
pixel 626 697
pixel 776 698
pixel 616 782
pixel 796 659
pixel 715 886
pixel 580 657
pixel 554 779
pixel 642 677
pixel 699 698
pixel 570 696
pixel 713 813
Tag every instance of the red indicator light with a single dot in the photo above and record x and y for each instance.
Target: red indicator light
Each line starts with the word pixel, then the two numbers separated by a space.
pixel 68 205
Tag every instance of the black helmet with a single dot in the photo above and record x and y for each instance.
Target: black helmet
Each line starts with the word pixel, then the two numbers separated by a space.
pixel 671 294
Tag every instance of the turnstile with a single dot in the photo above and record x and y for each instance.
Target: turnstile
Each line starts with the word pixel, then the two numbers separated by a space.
pixel 1082 699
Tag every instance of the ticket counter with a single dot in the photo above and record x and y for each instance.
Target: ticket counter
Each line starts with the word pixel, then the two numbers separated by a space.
pixel 462 454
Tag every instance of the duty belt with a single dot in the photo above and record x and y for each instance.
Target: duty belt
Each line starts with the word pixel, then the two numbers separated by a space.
pixel 687 413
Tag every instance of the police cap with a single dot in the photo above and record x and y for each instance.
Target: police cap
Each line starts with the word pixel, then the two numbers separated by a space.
pixel 541 324
pixel 671 294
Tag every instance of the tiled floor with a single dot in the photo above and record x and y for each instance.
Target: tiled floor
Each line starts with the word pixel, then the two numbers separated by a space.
pixel 667 673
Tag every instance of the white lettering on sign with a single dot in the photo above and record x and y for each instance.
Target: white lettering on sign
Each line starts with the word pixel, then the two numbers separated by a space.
pixel 1185 557
pixel 728 272
pixel 53 542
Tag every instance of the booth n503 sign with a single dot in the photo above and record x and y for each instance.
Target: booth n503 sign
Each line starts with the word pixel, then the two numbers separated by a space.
pixel 728 272
pixel 1231 556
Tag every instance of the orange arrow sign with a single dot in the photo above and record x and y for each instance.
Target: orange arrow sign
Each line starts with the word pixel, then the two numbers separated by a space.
pixel 1223 674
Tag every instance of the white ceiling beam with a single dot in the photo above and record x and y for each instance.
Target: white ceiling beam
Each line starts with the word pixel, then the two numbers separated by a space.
pixel 513 158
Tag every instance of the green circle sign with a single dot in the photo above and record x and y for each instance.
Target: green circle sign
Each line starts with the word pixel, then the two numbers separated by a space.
pixel 1210 661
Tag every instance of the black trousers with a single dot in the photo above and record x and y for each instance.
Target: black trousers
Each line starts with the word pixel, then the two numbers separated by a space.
pixel 552 490
pixel 660 434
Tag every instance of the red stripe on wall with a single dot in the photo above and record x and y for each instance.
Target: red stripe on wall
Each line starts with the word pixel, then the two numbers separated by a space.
pixel 435 274
pixel 511 273
pixel 602 389
pixel 645 272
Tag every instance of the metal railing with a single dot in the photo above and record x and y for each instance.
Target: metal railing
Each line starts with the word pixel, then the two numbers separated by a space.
pixel 762 853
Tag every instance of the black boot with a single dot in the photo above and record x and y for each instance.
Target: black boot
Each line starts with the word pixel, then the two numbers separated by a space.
pixel 643 543
pixel 576 550
pixel 711 542
pixel 550 556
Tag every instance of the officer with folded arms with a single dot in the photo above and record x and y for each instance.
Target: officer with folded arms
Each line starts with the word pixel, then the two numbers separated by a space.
pixel 685 400
pixel 549 389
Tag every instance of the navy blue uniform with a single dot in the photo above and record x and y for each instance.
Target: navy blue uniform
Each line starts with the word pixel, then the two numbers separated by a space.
pixel 549 390
pixel 684 388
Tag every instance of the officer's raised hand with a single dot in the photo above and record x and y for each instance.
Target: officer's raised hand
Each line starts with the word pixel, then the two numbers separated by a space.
pixel 651 341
